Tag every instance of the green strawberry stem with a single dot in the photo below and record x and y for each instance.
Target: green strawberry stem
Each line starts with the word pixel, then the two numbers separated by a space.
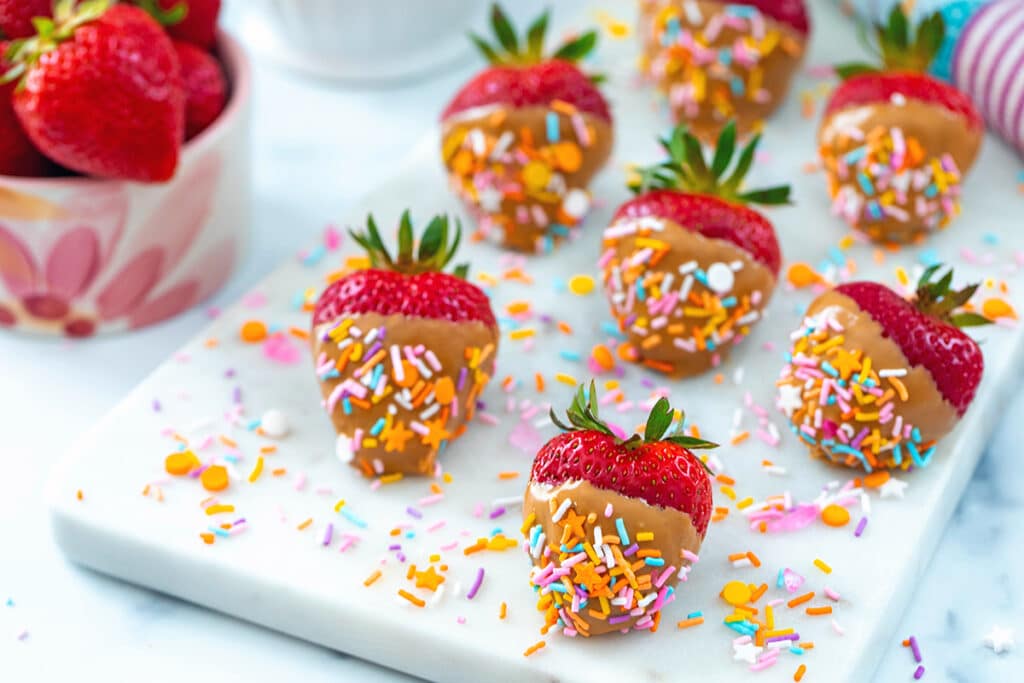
pixel 511 51
pixel 687 170
pixel 164 17
pixel 434 251
pixel 898 46
pixel 938 300
pixel 68 17
pixel 583 416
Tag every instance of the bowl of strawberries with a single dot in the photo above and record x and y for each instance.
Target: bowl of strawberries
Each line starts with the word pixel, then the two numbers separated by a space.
pixel 124 162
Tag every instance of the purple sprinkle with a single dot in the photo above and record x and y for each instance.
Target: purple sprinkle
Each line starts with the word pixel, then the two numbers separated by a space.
pixel 229 373
pixel 791 636
pixel 240 520
pixel 462 377
pixel 413 512
pixel 918 672
pixel 396 546
pixel 647 383
pixel 619 620
pixel 401 557
pixel 546 319
pixel 915 648
pixel 372 350
pixel 860 526
pixel 628 552
pixel 476 584
pixel 236 395
pixel 328 533
pixel 156 406
pixel 497 512
pixel 194 474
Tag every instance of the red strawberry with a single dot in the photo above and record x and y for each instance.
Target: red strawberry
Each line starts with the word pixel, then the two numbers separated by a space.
pixel 206 90
pixel 900 376
pixel 716 62
pixel 403 330
pixel 687 266
pixel 18 156
pixel 193 21
pixel 589 486
pixel 896 142
pixel 102 95
pixel 16 16
pixel 523 139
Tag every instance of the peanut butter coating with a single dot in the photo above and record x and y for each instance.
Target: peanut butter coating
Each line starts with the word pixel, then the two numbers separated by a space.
pixel 400 447
pixel 507 169
pixel 673 533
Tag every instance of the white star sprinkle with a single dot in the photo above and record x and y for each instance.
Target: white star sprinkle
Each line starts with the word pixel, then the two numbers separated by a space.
pixel 999 639
pixel 893 488
pixel 790 399
pixel 746 652
pixel 489 199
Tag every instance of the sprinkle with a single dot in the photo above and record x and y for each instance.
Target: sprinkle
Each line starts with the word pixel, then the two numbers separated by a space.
pixel 692 621
pixel 476 584
pixel 257 470
pixel 819 611
pixel 566 379
pixel 800 671
pixel 795 602
pixel 411 598
pixel 533 648
pixel 822 566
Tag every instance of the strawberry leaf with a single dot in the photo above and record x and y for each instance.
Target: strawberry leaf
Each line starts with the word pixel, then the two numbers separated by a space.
pixel 969 320
pixel 659 420
pixel 164 17
pixel 724 151
pixel 434 253
pixel 691 442
pixel 576 50
pixel 504 30
pixel 848 71
pixel 488 52
pixel 772 196
pixel 535 36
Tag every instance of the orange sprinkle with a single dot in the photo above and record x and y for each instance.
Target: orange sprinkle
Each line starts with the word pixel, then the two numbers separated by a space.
pixel 799 673
pixel 181 463
pixel 801 275
pixel 724 479
pixel 267 450
pixel 693 621
pixel 227 441
pixel 603 357
pixel 756 595
pixel 796 602
pixel 539 379
pixel 79 495
pixel 502 611
pixel 835 516
pixel 876 479
pixel 298 333
pixel 215 478
pixel 305 525
pixel 737 556
pixel 207 538
pixel 411 598
pixel 533 648
pixel 253 331
pixel 518 307
pixel 507 475
pixel 444 390
pixel 740 438
pixel 754 559
pixel 564 328
pixel 819 611
pixel 279 472
pixel 809 645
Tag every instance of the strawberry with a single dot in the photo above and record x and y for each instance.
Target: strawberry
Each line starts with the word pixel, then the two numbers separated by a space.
pixel 18 156
pixel 523 139
pixel 874 380
pixel 16 16
pixel 895 143
pixel 594 499
pixel 101 92
pixel 402 351
pixel 192 21
pixel 687 265
pixel 206 90
pixel 722 61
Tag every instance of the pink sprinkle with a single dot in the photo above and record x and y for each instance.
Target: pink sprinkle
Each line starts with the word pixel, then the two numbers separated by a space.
pixel 831 594
pixel 332 238
pixel 692 557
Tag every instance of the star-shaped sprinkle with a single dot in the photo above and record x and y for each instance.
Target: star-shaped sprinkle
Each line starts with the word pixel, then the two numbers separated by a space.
pixel 396 437
pixel 436 434
pixel 893 488
pixel 846 362
pixel 429 579
pixel 572 525
pixel 790 399
pixel 746 652
pixel 999 639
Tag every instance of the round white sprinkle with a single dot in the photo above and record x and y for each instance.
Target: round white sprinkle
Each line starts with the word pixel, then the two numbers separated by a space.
pixel 576 203
pixel 720 278
pixel 343 449
pixel 274 424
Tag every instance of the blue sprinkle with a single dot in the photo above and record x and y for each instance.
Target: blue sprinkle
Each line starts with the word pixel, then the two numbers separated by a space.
pixel 559 230
pixel 223 533
pixel 929 257
pixel 495 531
pixel 621 527
pixel 233 459
pixel 274 328
pixel 725 56
pixel 557 587
pixel 865 184
pixel 781 580
pixel 315 256
pixel 931 191
pixel 332 374
pixel 926 457
pixel 915 434
pixel 352 518
pixel 569 355
pixel 737 85
pixel 897 455
pixel 640 295
pixel 827 367
pixel 729 302
pixel 837 256
pixel 410 534
pixel 378 426
pixel 654 561
pixel 914 455
pixel 552 121
pixel 797 650
pixel 990 238
pixel 346 406
pixel 252 425
pixel 701 277
pixel 694 615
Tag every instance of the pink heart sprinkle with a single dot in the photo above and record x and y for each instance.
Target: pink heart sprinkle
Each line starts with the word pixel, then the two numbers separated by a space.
pixel 792 580
pixel 280 349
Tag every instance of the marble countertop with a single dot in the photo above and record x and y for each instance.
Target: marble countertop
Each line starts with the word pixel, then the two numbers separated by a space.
pixel 318 148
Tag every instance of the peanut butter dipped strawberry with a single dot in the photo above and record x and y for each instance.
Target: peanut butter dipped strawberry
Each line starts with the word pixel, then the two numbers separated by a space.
pixel 873 380
pixel 403 351
pixel 616 522
pixel 721 61
pixel 896 142
pixel 523 139
pixel 687 266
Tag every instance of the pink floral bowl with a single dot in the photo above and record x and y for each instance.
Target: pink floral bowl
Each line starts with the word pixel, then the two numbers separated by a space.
pixel 80 256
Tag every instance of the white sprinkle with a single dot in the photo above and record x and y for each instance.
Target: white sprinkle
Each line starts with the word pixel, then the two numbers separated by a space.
pixel 562 509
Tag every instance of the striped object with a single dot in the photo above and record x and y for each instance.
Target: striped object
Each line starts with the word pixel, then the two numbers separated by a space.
pixel 988 65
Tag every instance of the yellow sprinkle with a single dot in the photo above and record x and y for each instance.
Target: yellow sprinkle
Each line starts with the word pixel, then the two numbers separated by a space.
pixel 745 503
pixel 834 341
pixel 645 536
pixel 729 492
pixel 340 504
pixel 822 566
pixel 391 478
pixel 522 333
pixel 528 523
pixel 581 285
pixel 566 379
pixel 257 470
pixel 901 275
pixel 218 509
